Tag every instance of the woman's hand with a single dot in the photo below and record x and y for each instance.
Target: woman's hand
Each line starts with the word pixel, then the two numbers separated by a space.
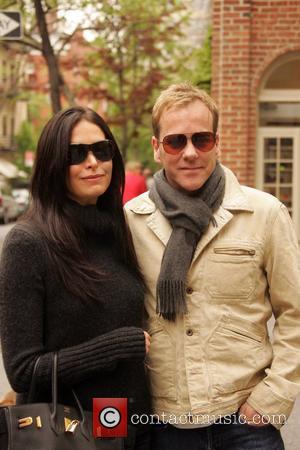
pixel 147 341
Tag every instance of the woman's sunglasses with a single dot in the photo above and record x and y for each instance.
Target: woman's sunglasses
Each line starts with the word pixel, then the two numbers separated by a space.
pixel 102 150
pixel 203 141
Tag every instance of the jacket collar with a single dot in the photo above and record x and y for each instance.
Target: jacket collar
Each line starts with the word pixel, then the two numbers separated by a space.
pixel 234 198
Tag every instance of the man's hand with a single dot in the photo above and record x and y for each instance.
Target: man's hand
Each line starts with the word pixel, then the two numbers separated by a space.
pixel 251 416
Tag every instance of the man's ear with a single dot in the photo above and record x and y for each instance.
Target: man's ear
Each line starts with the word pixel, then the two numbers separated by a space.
pixel 218 147
pixel 156 150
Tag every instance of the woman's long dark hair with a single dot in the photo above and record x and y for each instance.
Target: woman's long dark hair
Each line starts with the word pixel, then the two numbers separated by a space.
pixel 49 195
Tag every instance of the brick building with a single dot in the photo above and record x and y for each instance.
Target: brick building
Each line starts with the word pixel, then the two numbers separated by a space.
pixel 256 83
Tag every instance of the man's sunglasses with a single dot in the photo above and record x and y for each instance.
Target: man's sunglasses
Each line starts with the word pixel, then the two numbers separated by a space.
pixel 203 141
pixel 102 150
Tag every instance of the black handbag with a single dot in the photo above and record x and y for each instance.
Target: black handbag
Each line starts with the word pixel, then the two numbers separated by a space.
pixel 50 426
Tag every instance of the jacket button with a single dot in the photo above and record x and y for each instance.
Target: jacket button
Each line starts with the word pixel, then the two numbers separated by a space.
pixel 189 332
pixel 189 290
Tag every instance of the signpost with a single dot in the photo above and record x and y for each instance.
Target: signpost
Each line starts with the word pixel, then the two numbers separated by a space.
pixel 10 24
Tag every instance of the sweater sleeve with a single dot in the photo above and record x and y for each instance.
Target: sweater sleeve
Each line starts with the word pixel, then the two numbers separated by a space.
pixel 22 309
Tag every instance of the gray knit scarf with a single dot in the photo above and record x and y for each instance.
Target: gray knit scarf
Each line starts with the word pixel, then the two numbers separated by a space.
pixel 189 215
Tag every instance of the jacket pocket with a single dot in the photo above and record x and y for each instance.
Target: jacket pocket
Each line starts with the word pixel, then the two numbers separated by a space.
pixel 240 353
pixel 231 273
pixel 234 251
pixel 161 363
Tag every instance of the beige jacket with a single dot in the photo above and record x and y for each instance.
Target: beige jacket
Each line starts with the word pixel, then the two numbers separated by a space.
pixel 219 354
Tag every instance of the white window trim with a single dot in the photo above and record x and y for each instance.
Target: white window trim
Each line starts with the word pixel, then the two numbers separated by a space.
pixel 274 132
pixel 280 95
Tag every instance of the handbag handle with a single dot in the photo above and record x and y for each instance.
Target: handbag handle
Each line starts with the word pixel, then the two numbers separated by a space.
pixel 53 413
pixel 32 388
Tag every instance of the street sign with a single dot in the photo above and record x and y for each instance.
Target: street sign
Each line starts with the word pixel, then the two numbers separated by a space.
pixel 10 25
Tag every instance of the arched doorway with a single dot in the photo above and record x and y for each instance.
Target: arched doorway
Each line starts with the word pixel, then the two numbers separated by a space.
pixel 278 145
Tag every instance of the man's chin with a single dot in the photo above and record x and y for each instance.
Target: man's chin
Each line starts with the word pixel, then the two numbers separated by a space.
pixel 190 188
pixel 188 184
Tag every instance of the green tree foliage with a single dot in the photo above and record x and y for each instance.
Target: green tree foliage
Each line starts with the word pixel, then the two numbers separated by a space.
pixel 138 48
pixel 41 21
pixel 26 140
pixel 203 74
pixel 136 51
pixel 197 67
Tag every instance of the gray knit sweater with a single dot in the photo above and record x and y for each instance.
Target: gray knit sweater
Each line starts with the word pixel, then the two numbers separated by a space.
pixel 100 343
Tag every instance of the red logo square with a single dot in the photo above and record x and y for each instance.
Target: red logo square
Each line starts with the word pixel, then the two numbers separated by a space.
pixel 110 417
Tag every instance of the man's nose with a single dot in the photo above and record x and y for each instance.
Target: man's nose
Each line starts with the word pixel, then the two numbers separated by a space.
pixel 190 152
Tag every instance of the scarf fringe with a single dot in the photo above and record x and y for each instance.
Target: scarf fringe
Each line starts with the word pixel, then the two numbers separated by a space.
pixel 171 299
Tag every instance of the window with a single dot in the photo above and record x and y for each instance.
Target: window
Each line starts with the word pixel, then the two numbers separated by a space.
pixel 279 114
pixel 287 75
pixel 4 71
pixel 4 126
pixel 12 126
pixel 278 168
pixel 278 137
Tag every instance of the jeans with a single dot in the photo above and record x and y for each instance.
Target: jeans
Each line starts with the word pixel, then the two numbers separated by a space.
pixel 233 436
pixel 138 439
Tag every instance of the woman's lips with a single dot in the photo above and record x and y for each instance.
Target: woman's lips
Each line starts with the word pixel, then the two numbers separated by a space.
pixel 93 177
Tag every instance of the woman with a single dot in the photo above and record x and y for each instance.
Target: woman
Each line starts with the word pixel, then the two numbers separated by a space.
pixel 69 279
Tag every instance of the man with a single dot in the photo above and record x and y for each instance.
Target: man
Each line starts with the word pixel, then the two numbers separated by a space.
pixel 218 258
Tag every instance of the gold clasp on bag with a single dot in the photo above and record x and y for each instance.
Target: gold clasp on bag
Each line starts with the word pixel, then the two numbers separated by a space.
pixel 25 422
pixel 38 422
pixel 70 425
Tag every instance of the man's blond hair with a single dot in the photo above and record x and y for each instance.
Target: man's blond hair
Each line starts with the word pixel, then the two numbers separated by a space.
pixel 178 96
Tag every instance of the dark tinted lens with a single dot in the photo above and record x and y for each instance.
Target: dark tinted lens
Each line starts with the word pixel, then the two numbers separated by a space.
pixel 77 153
pixel 203 141
pixel 103 150
pixel 174 142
